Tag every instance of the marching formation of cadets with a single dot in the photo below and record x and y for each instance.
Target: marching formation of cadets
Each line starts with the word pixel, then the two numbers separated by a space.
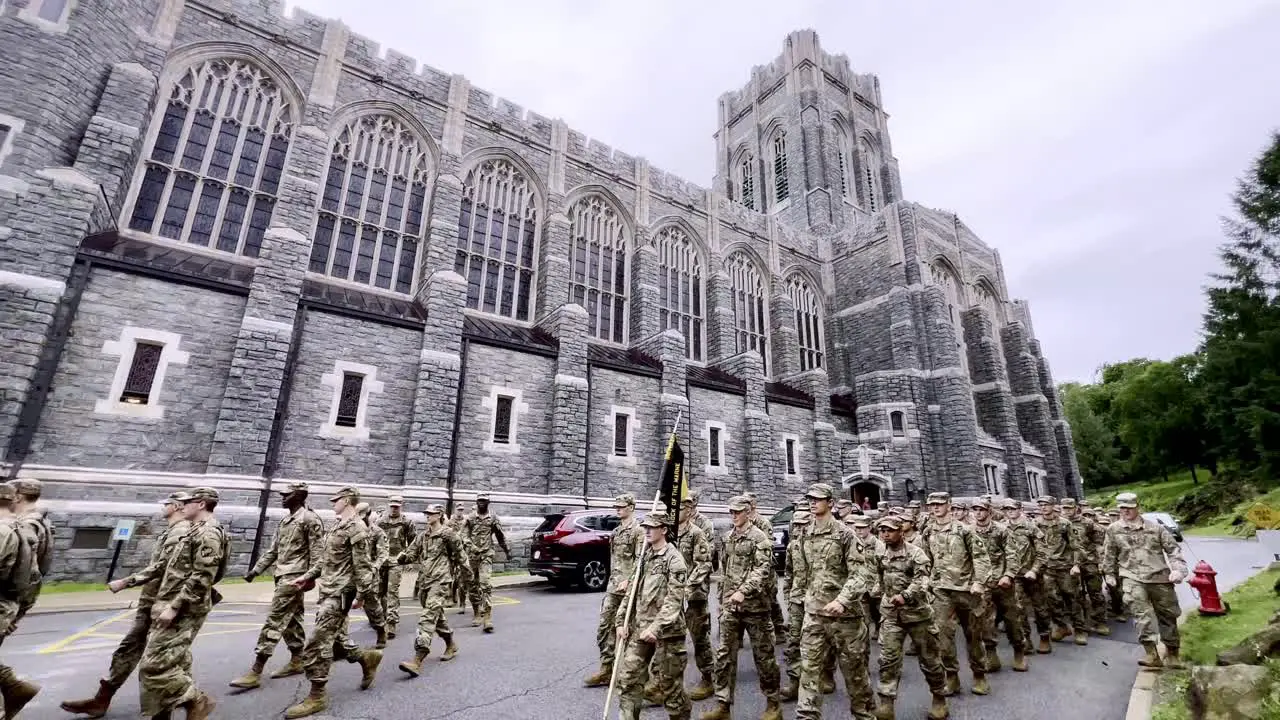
pixel 359 559
pixel 1047 571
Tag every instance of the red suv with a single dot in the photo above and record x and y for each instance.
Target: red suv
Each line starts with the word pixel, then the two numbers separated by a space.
pixel 572 547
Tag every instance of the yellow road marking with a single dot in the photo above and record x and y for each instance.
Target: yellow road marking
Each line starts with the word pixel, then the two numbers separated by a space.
pixel 59 645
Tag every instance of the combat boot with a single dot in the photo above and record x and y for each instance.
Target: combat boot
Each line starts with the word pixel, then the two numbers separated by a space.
pixel 475 615
pixel 450 649
pixel 1102 630
pixel 704 689
pixel 369 662
pixel 1060 633
pixel 772 711
pixel 17 693
pixel 391 632
pixel 488 620
pixel 253 678
pixel 201 708
pixel 315 701
pixel 938 709
pixel 953 684
pixel 600 678
pixel 653 695
pixel 980 685
pixel 884 711
pixel 1045 646
pixel 788 693
pixel 96 706
pixel 828 683
pixel 1152 658
pixel 1171 658
pixel 1019 661
pixel 294 667
pixel 414 666
pixel 993 661
pixel 1082 638
pixel 381 635
pixel 721 712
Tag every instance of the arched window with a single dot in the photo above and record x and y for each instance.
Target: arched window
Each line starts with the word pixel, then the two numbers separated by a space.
pixel 781 187
pixel 212 173
pixel 842 156
pixel 747 181
pixel 749 296
pixel 372 210
pixel 681 298
pixel 808 317
pixel 943 276
pixel 871 197
pixel 598 256
pixel 989 300
pixel 498 239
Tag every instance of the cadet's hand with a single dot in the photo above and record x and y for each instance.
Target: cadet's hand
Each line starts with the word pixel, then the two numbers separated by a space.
pixel 248 577
pixel 977 589
pixel 167 616
pixel 835 607
pixel 737 598
pixel 1031 575
pixel 898 600
pixel 1175 577
pixel 116 586
pixel 622 586
pixel 1005 582
pixel 648 636
pixel 300 583
pixel 1075 569
pixel 622 633
pixel 1109 580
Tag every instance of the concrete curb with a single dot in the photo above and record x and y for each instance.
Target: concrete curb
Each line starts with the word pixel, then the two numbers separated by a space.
pixel 96 605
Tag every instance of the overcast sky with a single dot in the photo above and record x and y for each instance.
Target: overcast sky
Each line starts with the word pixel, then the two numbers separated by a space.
pixel 1094 143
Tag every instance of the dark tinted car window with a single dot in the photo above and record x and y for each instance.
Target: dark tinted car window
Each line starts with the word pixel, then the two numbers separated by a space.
pixel 611 522
pixel 783 516
pixel 590 522
pixel 549 523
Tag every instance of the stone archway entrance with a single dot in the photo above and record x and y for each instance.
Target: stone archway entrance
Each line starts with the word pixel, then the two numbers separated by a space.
pixel 868 491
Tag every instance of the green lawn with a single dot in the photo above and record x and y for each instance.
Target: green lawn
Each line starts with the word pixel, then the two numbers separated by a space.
pixel 1155 495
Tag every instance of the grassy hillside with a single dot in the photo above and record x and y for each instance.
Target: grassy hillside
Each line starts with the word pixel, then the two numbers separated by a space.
pixel 1155 496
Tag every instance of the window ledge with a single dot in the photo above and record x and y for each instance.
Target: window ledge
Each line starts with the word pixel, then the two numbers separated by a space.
pixel 623 460
pixel 715 470
pixel 348 435
pixel 504 448
pixel 131 410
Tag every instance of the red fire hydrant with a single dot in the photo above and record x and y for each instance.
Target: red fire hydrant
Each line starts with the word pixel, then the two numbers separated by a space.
pixel 1205 584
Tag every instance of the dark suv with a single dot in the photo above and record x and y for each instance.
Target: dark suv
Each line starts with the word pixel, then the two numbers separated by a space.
pixel 781 522
pixel 572 547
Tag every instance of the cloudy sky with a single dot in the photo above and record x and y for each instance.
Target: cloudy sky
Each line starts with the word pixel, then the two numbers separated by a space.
pixel 1093 142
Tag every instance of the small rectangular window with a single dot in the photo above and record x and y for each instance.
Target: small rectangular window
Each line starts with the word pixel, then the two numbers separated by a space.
pixel 5 130
pixel 791 456
pixel 897 422
pixel 502 419
pixel 142 373
pixel 621 444
pixel 91 538
pixel 349 400
pixel 51 10
pixel 713 449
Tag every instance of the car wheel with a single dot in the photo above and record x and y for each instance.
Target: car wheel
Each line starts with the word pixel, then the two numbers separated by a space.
pixel 594 575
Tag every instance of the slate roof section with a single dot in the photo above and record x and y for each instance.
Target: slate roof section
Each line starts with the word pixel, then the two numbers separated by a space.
pixel 113 250
pixel 365 305
pixel 713 378
pixel 496 333
pixel 784 394
pixel 625 360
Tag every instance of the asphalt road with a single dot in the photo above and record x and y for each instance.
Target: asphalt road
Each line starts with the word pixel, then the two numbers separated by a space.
pixel 1234 560
pixel 530 669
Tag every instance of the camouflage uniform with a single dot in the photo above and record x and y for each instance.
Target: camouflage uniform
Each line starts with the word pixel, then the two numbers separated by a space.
pixel 19 568
pixel 659 610
pixel 695 549
pixel 1091 538
pixel 399 532
pixel 461 588
pixel 1113 588
pixel 1149 562
pixel 295 550
pixel 1060 589
pixel 745 568
pixel 1003 602
pixel 1023 553
pixel 34 526
pixel 624 548
pixel 793 589
pixel 186 578
pixel 775 608
pixel 438 554
pixel 959 561
pixel 904 571
pixel 835 570
pixel 481 531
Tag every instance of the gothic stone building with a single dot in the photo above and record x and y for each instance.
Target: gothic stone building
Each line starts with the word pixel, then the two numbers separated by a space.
pixel 239 248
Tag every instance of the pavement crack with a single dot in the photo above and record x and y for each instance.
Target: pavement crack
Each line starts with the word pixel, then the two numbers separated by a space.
pixel 523 693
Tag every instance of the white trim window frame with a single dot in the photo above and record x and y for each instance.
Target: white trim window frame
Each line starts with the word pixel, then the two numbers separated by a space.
pixel 778 165
pixel 13 128
pixel 716 436
pixel 335 380
pixel 993 477
pixel 682 289
pixel 600 267
pixel 1035 482
pixel 628 456
pixel 126 348
pixel 518 407
pixel 895 433
pixel 791 452
pixel 51 16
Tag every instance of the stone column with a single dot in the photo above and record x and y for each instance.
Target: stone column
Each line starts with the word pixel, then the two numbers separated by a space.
pixel 248 408
pixel 827 447
pixel 957 442
pixel 1067 464
pixel 762 473
pixel 569 420
pixel 993 399
pixel 645 313
pixel 783 338
pixel 1032 407
pixel 440 368
pixel 441 243
pixel 817 194
pixel 673 400
pixel 721 343
pixel 553 260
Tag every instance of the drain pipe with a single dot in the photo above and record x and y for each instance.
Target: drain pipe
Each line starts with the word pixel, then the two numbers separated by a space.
pixel 586 464
pixel 457 420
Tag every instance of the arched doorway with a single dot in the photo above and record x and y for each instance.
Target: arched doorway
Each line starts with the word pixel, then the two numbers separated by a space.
pixel 866 494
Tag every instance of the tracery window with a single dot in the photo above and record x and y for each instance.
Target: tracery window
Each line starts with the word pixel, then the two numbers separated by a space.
pixel 808 319
pixel 842 156
pixel 747 182
pixel 681 289
pixel 371 215
pixel 598 255
pixel 749 296
pixel 781 186
pixel 944 277
pixel 990 301
pixel 214 168
pixel 498 240
pixel 870 175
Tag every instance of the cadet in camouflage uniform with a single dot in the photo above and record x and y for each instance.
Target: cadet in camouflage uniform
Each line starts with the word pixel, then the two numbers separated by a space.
pixel 18 571
pixel 695 550
pixel 1008 550
pixel 439 556
pixel 481 530
pixel 744 607
pixel 775 608
pixel 837 579
pixel 1115 595
pixel 906 609
pixel 296 548
pixel 1149 562
pixel 624 548
pixel 380 556
pixel 961 572
pixel 400 532
pixel 461 588
pixel 39 532
pixel 793 590
pixel 129 652
pixel 1091 538
pixel 183 601
pixel 346 570
pixel 704 524
pixel 870 546
pixel 655 634
pixel 1023 563
pixel 1060 583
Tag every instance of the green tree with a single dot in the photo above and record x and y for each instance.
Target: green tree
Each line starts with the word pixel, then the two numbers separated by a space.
pixel 1095 443
pixel 1160 415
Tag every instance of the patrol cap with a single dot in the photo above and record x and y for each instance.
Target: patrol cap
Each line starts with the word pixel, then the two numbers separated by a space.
pixel 859 521
pixel 435 509
pixel 819 491
pixel 750 496
pixel 294 487
pixel 623 500
pixel 1089 512
pixel 914 504
pixel 1046 500
pixel 7 493
pixel 891 522
pixel 172 498
pixel 882 505
pixel 1104 520
pixel 1067 502
pixel 897 510
pixel 844 503
pixel 738 503
pixel 982 503
pixel 1085 503
pixel 1010 504
pixel 204 493
pixel 655 519
pixel 30 488
pixel 801 518
pixel 395 501
pixel 363 509
pixel 872 514
pixel 346 491
pixel 695 494
pixel 960 503
pixel 939 498
pixel 482 497
pixel 1127 500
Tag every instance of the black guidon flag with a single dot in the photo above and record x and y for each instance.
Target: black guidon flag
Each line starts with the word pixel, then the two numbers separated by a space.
pixel 675 484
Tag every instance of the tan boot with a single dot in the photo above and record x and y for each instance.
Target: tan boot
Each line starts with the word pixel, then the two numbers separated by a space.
pixel 488 620
pixel 391 632
pixel 369 662
pixel 1019 661
pixel 1045 647
pixel 721 712
pixel 1060 633
pixel 828 683
pixel 790 691
pixel 1082 638
pixel 450 651
pixel 1102 630
pixel 953 685
pixel 884 710
pixel 17 693
pixel 293 667
pixel 201 708
pixel 1172 660
pixel 938 709
pixel 772 711
pixel 980 685
pixel 315 701
pixel 414 666
pixel 253 678
pixel 475 615
pixel 703 690
pixel 600 678
pixel 94 707
pixel 993 661
pixel 381 634
pixel 1152 658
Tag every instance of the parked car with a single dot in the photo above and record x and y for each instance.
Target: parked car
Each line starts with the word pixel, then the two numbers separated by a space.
pixel 1166 520
pixel 572 548
pixel 781 523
